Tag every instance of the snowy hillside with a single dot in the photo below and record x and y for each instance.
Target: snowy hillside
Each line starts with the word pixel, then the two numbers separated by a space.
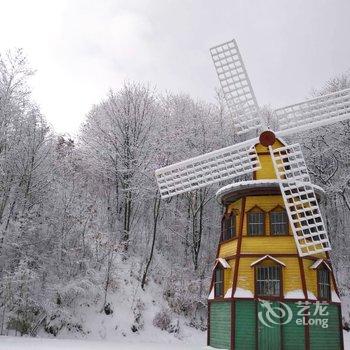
pixel 132 314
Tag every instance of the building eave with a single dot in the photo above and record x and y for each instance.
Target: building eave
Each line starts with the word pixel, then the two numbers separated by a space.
pixel 270 186
pixel 267 257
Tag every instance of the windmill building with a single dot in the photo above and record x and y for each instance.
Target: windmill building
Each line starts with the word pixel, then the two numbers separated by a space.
pixel 273 285
pixel 258 263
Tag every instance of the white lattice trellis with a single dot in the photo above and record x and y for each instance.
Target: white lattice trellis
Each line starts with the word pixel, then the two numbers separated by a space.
pixel 300 200
pixel 207 169
pixel 320 111
pixel 236 86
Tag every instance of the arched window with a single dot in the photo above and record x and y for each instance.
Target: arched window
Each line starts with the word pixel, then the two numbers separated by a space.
pixel 256 222
pixel 278 222
pixel 229 226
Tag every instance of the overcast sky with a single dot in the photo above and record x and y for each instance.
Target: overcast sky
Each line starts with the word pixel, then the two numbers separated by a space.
pixel 81 48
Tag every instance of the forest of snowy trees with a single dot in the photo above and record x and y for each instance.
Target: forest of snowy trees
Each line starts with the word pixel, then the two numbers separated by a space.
pixel 80 218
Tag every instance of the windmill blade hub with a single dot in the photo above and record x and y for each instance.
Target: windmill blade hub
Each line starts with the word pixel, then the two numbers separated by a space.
pixel 267 138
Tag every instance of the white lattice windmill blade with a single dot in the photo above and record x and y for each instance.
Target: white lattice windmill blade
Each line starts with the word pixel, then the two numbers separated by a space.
pixel 320 111
pixel 236 86
pixel 300 200
pixel 207 169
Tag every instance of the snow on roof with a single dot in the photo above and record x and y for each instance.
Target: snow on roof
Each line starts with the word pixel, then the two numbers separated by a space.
pixel 335 297
pixel 228 293
pixel 318 262
pixel 311 296
pixel 267 257
pixel 295 294
pixel 236 186
pixel 298 294
pixel 243 293
pixel 223 263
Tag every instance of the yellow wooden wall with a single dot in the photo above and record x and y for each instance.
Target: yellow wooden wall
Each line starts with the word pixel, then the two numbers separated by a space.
pixel 236 206
pixel 228 249
pixel 268 245
pixel 245 278
pixel 267 171
pixel 291 275
pixel 310 277
pixel 264 245
pixel 228 275
pixel 265 203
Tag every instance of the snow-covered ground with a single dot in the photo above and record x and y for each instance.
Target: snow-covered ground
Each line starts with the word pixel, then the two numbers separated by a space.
pixel 346 340
pixel 112 332
pixel 23 343
pixel 130 318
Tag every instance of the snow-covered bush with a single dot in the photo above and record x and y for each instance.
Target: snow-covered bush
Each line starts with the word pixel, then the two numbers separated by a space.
pixel 137 311
pixel 162 320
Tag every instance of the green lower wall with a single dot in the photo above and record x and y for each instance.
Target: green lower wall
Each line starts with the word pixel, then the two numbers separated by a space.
pixel 293 335
pixel 245 332
pixel 325 338
pixel 290 336
pixel 269 336
pixel 220 325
